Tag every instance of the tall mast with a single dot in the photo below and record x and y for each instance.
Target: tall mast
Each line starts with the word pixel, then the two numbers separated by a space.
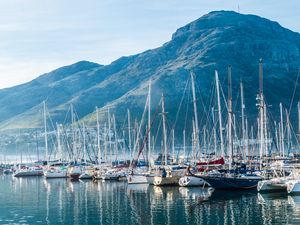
pixel 105 143
pixel 197 144
pixel 116 139
pixel 58 141
pixel 184 145
pixel 230 143
pixel 288 130
pixel 194 137
pixel 204 141
pixel 214 130
pixel 281 130
pixel 109 135
pixel 98 136
pixel 129 133
pixel 45 130
pixel 124 146
pixel 276 134
pixel 173 146
pixel 219 113
pixel 261 111
pixel 298 119
pixel 84 143
pixel 164 129
pixel 243 119
pixel 247 139
pixel 73 131
pixel 149 122
pixel 37 145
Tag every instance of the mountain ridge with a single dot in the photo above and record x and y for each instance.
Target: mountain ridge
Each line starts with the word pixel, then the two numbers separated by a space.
pixel 212 42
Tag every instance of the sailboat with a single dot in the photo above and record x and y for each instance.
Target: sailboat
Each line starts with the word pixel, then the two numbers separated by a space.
pixel 138 175
pixel 56 171
pixel 28 171
pixel 167 174
pixel 237 178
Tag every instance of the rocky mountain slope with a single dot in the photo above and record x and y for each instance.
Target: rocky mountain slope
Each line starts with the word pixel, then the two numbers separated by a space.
pixel 210 43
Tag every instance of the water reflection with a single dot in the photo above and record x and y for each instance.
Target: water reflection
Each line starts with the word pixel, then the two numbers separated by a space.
pixel 61 201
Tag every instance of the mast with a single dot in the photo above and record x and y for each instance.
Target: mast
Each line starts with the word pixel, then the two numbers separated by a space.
pixel 243 119
pixel 116 140
pixel 247 140
pixel 105 143
pixel 298 119
pixel 197 145
pixel 37 146
pixel 98 136
pixel 73 131
pixel 219 114
pixel 173 146
pixel 261 112
pixel 194 137
pixel 230 143
pixel 204 141
pixel 288 130
pixel 149 122
pixel 281 130
pixel 109 135
pixel 276 134
pixel 84 144
pixel 58 141
pixel 164 129
pixel 184 145
pixel 214 130
pixel 45 130
pixel 129 133
pixel 124 146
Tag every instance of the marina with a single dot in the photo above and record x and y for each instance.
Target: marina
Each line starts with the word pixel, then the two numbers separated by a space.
pixel 188 112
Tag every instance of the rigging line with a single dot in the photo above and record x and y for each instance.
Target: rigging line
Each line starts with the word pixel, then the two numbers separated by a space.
pixel 207 114
pixel 140 126
pixel 66 116
pixel 182 98
pixel 147 133
pixel 158 129
pixel 294 92
pixel 187 111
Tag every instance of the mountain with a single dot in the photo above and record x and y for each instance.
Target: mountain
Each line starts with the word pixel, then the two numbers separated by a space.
pixel 212 42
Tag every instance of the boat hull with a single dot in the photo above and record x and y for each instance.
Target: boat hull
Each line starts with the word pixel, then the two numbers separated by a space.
pixel 150 179
pixel 55 174
pixel 191 181
pixel 270 186
pixel 75 176
pixel 229 183
pixel 86 176
pixel 165 181
pixel 28 173
pixel 137 179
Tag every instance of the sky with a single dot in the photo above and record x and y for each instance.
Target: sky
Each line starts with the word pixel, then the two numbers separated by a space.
pixel 37 36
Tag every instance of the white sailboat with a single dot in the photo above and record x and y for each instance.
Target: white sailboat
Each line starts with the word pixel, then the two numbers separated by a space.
pixel 55 171
pixel 28 171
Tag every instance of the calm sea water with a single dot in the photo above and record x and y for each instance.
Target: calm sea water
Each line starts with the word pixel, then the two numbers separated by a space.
pixel 61 201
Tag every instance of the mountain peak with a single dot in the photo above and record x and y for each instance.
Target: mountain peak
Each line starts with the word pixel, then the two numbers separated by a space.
pixel 227 19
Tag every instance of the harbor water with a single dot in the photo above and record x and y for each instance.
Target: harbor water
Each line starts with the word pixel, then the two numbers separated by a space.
pixel 36 200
